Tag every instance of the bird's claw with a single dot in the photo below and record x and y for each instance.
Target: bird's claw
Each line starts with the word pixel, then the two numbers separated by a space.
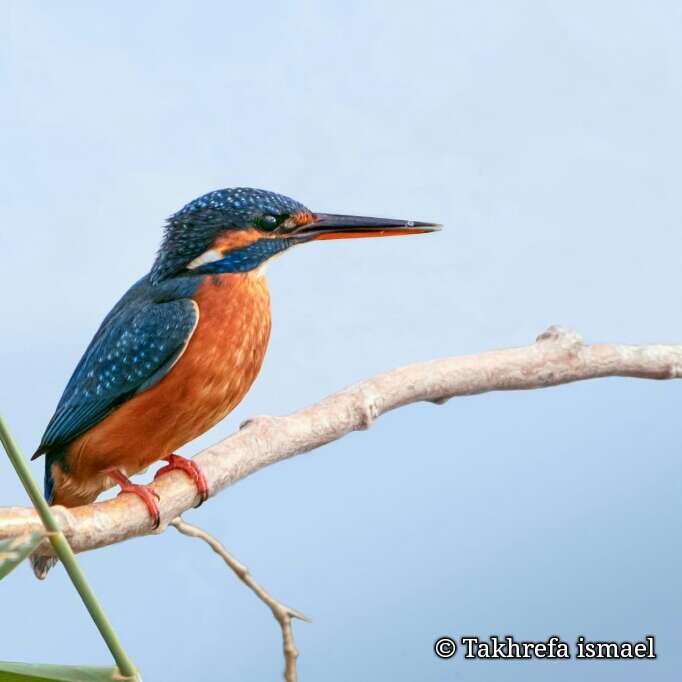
pixel 147 495
pixel 175 462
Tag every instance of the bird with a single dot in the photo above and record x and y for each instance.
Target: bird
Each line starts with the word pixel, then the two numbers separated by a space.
pixel 182 347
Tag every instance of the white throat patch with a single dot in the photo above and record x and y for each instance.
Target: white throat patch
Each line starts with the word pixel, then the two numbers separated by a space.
pixel 210 256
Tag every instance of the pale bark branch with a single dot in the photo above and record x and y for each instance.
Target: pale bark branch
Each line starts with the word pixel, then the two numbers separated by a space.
pixel 557 357
pixel 283 614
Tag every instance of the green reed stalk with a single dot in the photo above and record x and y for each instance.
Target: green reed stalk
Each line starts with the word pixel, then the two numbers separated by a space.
pixel 65 553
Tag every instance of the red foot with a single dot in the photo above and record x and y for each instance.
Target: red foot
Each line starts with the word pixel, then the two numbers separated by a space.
pixel 149 497
pixel 191 469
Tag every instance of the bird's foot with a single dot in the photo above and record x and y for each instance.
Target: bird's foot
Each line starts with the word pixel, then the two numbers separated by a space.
pixel 175 462
pixel 148 496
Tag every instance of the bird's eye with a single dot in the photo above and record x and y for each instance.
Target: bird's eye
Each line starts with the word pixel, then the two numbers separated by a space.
pixel 268 222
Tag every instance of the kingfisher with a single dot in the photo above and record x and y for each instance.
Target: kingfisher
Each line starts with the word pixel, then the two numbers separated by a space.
pixel 182 346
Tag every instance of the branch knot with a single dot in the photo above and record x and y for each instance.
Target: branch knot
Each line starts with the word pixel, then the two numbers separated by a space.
pixel 367 407
pixel 562 336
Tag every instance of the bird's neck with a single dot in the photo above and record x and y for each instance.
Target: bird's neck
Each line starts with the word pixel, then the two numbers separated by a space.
pixel 237 296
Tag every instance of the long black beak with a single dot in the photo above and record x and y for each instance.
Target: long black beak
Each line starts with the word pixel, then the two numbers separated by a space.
pixel 333 226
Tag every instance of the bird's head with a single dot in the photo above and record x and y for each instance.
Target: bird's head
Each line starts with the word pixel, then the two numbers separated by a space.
pixel 239 229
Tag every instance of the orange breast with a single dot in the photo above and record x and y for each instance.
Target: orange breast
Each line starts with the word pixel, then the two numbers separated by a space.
pixel 221 361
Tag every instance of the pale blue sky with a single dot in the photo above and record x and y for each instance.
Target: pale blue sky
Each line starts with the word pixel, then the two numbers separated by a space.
pixel 546 137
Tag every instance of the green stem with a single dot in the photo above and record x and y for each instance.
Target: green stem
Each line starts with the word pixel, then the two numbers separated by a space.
pixel 65 553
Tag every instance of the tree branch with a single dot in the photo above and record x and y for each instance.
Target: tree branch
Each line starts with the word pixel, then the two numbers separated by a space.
pixel 283 614
pixel 557 357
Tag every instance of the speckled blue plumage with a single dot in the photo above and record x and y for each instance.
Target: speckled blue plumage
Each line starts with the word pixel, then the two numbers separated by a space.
pixel 191 230
pixel 242 204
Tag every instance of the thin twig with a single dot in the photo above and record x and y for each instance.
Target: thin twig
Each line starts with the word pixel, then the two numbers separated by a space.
pixel 283 614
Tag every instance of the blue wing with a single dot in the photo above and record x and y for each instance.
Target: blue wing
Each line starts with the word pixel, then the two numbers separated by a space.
pixel 136 345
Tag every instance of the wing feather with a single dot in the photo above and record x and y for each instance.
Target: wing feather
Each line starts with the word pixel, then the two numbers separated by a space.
pixel 133 349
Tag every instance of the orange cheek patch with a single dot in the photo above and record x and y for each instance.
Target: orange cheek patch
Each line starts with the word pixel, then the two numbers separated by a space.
pixel 235 239
pixel 301 218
